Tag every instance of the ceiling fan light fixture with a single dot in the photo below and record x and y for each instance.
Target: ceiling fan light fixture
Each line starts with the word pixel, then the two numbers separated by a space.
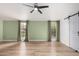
pixel 35 9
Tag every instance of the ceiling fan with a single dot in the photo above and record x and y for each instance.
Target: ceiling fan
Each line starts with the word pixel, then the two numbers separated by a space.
pixel 36 7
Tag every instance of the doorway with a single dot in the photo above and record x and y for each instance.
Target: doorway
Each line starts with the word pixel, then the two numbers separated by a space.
pixel 54 31
pixel 23 31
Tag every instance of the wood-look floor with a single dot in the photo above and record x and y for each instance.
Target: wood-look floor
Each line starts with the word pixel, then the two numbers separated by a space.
pixel 36 49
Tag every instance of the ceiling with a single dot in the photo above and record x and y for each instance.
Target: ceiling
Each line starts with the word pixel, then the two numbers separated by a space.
pixel 56 11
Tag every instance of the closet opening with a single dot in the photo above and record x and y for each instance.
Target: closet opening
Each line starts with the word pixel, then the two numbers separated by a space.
pixel 53 31
pixel 23 31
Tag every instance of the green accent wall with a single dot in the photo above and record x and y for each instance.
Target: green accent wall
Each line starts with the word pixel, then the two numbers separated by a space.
pixel 1 30
pixel 10 30
pixel 38 30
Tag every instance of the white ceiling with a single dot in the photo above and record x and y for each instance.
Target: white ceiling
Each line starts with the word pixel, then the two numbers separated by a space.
pixel 56 11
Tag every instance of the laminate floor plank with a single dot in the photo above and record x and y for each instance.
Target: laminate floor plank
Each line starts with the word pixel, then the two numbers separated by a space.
pixel 36 49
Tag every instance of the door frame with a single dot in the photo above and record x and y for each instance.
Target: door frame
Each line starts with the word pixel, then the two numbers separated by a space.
pixel 57 31
pixel 19 37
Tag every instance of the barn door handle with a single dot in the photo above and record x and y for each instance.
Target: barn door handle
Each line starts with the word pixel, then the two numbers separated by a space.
pixel 78 33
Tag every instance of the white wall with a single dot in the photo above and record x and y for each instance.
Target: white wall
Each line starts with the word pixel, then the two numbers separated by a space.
pixel 64 31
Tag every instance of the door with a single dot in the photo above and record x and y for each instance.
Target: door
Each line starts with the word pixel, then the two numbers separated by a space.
pixel 74 29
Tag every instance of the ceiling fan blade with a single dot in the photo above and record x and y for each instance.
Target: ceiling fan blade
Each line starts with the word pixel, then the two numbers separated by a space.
pixel 39 11
pixel 42 7
pixel 28 5
pixel 31 11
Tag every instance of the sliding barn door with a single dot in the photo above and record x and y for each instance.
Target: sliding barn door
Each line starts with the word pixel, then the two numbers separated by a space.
pixel 74 32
